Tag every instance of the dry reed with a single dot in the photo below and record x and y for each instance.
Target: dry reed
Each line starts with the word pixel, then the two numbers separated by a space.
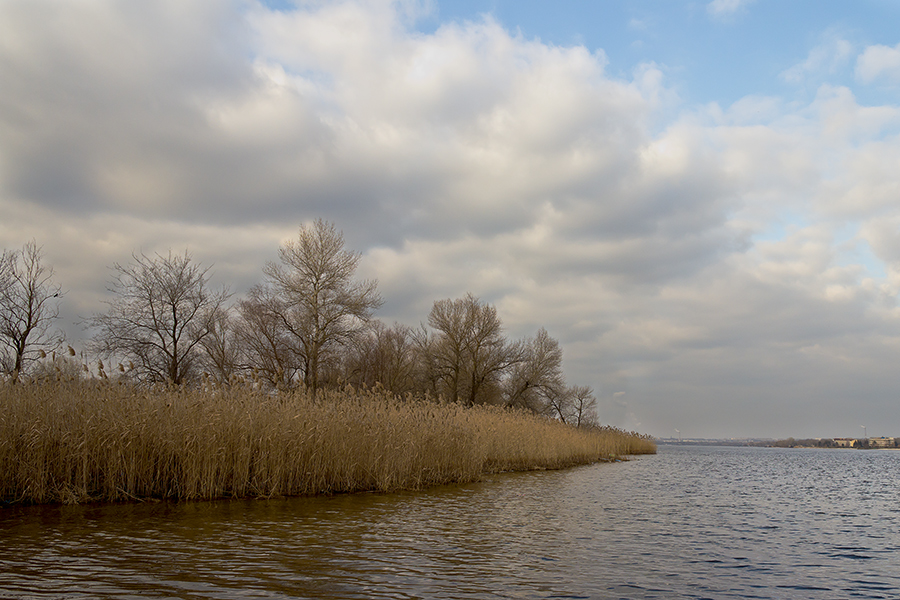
pixel 77 441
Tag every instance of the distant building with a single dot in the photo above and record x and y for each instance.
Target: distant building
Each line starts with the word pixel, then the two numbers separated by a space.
pixel 883 442
pixel 845 442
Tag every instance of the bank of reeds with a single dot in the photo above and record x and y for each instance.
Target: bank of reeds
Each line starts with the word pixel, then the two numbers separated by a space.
pixel 80 441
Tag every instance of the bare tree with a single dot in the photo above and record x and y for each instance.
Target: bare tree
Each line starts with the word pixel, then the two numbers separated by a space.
pixel 538 377
pixel 559 405
pixel 575 405
pixel 322 306
pixel 448 349
pixel 383 355
pixel 471 354
pixel 584 406
pixel 222 347
pixel 28 308
pixel 427 361
pixel 161 312
pixel 266 344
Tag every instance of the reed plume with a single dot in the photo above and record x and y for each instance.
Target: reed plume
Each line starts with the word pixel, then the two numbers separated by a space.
pixel 99 440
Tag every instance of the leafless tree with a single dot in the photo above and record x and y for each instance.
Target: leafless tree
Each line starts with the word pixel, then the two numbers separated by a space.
pixel 559 405
pixel 584 406
pixel 447 350
pixel 470 352
pixel 383 355
pixel 538 377
pixel 162 311
pixel 222 348
pixel 28 308
pixel 323 307
pixel 265 343
pixel 575 405
pixel 427 367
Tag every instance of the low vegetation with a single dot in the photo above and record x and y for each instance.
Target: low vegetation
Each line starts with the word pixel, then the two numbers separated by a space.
pixel 78 440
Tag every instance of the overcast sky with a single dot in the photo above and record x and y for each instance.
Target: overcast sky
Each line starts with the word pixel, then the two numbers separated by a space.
pixel 700 200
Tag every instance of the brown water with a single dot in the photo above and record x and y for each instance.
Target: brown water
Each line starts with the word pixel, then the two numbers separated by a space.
pixel 686 523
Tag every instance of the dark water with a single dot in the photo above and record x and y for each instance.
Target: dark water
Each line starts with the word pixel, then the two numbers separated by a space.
pixel 686 523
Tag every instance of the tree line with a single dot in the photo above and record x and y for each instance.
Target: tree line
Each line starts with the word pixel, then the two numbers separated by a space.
pixel 310 323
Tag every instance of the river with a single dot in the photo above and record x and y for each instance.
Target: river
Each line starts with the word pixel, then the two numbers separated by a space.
pixel 689 522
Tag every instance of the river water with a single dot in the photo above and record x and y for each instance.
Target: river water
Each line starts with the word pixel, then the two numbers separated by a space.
pixel 689 522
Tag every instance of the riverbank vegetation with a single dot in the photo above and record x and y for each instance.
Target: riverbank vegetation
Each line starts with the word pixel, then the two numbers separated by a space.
pixel 76 440
pixel 295 388
pixel 309 324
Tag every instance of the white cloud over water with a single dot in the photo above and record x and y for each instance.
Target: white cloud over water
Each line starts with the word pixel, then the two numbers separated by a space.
pixel 703 273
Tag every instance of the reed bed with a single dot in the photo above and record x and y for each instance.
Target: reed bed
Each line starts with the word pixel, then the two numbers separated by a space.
pixel 80 441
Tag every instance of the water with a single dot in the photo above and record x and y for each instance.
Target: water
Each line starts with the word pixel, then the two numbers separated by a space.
pixel 690 522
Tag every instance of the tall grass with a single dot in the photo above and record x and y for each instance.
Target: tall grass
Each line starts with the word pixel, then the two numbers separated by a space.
pixel 76 441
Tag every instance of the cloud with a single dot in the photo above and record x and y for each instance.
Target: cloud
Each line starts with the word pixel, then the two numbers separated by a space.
pixel 823 60
pixel 879 63
pixel 637 24
pixel 723 9
pixel 704 265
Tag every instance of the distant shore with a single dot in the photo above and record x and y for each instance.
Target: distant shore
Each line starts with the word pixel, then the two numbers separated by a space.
pixel 876 443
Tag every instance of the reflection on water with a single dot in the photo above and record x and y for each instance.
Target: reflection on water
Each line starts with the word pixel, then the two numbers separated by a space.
pixel 686 523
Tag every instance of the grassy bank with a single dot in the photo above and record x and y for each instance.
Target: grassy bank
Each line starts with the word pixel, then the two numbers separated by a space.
pixel 87 441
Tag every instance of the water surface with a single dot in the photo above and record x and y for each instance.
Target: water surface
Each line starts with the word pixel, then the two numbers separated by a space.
pixel 690 522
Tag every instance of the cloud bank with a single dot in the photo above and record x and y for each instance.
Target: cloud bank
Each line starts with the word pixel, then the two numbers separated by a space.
pixel 730 272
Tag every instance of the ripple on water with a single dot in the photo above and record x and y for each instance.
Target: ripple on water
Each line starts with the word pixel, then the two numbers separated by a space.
pixel 686 523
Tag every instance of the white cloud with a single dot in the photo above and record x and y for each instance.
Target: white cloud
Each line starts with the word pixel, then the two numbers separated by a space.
pixel 637 24
pixel 726 8
pixel 879 62
pixel 823 60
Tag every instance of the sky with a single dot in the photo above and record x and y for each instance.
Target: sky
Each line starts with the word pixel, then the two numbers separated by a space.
pixel 699 199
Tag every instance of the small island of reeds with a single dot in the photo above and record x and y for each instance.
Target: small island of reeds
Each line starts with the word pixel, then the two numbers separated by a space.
pixel 85 441
pixel 294 389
